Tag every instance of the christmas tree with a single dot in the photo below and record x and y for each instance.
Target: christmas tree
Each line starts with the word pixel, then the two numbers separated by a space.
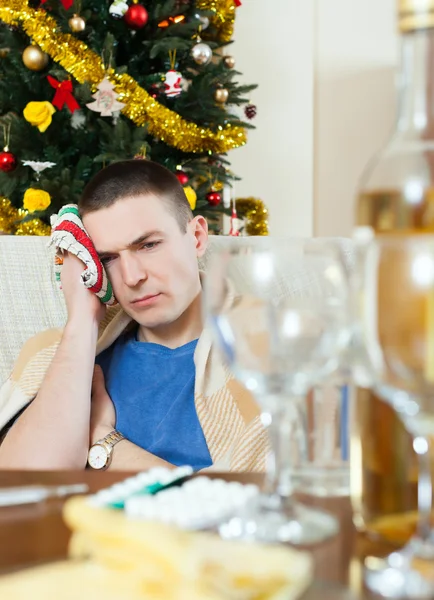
pixel 85 83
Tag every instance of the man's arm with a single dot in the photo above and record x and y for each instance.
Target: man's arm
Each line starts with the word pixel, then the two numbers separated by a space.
pixel 126 455
pixel 53 432
pixel 129 457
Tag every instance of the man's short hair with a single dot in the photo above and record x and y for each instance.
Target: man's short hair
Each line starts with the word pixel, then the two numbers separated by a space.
pixel 132 178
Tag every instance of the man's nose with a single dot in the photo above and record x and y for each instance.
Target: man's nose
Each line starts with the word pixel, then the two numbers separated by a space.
pixel 132 269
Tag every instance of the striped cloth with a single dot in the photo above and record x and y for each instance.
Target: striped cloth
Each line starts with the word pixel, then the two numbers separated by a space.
pixel 228 414
pixel 69 234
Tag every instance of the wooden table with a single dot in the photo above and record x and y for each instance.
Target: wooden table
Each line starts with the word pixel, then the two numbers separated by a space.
pixel 36 533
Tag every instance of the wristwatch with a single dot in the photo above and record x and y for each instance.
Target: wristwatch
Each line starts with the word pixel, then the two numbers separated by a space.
pixel 101 452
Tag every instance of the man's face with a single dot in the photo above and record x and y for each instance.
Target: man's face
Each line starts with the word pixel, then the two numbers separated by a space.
pixel 151 263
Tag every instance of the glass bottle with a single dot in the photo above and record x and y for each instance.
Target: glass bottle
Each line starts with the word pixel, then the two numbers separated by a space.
pixel 396 195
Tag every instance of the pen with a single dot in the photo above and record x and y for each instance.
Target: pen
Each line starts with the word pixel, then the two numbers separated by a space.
pixel 14 496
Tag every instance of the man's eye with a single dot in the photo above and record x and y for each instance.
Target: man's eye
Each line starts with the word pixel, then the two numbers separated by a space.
pixel 106 261
pixel 150 245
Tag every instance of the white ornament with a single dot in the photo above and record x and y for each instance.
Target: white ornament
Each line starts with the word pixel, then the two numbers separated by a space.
pixel 204 21
pixel 105 99
pixel 201 53
pixel 78 119
pixel 118 8
pixel 227 195
pixel 172 84
pixel 38 166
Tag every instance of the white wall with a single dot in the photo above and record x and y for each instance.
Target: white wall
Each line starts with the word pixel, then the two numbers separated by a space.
pixel 274 46
pixel 356 56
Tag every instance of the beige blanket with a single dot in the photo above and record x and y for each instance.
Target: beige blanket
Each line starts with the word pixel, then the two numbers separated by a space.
pixel 227 412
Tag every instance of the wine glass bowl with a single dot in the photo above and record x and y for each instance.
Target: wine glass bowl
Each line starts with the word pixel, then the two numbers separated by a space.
pixel 279 310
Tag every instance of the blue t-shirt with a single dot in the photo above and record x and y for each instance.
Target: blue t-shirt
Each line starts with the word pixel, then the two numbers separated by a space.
pixel 152 388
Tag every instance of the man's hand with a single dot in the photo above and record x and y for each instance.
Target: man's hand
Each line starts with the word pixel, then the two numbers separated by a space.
pixel 53 432
pixel 103 414
pixel 82 304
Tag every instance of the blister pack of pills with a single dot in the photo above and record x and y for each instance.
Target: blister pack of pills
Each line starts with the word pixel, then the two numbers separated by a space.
pixel 171 497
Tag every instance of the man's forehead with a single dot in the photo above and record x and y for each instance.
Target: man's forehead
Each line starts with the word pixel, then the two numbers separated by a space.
pixel 124 222
pixel 127 213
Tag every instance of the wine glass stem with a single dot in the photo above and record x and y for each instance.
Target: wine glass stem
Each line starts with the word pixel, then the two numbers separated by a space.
pixel 424 488
pixel 283 423
pixel 271 420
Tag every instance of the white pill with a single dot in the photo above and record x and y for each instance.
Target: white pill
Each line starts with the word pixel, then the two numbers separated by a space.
pixel 198 482
pixel 143 478
pixel 218 483
pixel 251 490
pixel 130 480
pixel 118 488
pixel 235 485
pixel 130 486
pixel 158 472
pixel 185 471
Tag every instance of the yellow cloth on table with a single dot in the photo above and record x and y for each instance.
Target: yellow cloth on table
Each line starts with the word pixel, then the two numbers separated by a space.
pixel 114 557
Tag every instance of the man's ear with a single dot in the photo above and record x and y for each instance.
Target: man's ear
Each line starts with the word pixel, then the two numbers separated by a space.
pixel 199 229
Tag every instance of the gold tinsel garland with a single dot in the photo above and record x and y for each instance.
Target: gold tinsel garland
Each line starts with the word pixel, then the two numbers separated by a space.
pixel 11 221
pixel 86 66
pixel 8 215
pixel 256 214
pixel 224 18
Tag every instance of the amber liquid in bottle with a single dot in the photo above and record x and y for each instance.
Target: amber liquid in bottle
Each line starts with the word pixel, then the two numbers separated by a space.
pixel 396 196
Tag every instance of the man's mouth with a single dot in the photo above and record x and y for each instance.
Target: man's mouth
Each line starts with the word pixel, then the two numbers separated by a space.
pixel 145 300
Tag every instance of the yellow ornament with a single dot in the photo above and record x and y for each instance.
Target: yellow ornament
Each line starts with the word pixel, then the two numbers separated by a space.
pixel 191 196
pixel 36 200
pixel 39 114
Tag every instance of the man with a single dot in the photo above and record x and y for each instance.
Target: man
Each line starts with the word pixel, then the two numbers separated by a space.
pixel 172 402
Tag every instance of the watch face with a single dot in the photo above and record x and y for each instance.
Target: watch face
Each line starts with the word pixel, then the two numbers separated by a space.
pixel 97 457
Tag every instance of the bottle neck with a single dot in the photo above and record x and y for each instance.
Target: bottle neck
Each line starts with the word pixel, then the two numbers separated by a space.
pixel 416 84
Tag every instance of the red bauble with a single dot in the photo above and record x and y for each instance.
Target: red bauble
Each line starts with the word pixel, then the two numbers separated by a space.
pixel 250 111
pixel 136 16
pixel 8 162
pixel 214 198
pixel 182 177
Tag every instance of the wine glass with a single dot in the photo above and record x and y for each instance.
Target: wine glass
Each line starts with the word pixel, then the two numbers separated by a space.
pixel 278 310
pixel 394 281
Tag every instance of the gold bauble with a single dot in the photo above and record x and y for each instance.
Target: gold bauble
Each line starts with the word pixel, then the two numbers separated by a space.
pixel 221 95
pixel 4 52
pixel 77 23
pixel 229 62
pixel 217 186
pixel 34 58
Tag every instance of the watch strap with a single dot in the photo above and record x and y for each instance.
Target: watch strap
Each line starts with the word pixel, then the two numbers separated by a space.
pixel 111 439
